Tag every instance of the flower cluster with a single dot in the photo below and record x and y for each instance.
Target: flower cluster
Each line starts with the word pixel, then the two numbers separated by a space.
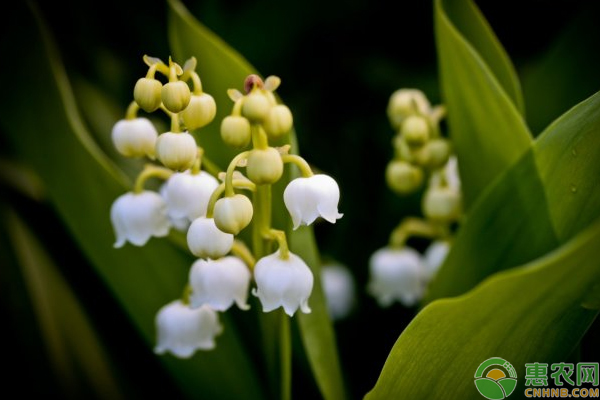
pixel 421 154
pixel 209 205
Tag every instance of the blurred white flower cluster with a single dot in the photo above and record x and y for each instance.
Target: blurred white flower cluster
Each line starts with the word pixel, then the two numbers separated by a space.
pixel 209 204
pixel 421 154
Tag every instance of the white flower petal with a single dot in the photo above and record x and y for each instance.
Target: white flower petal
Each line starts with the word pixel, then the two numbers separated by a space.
pixel 187 194
pixel 434 257
pixel 338 287
pixel 283 283
pixel 219 283
pixel 308 198
pixel 182 330
pixel 138 216
pixel 396 274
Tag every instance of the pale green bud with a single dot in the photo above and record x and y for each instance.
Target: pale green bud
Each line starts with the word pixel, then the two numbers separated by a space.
pixel 256 106
pixel 147 94
pixel 176 151
pixel 405 102
pixel 200 111
pixel 264 166
pixel 415 130
pixel 278 122
pixel 176 96
pixel 232 214
pixel 439 152
pixel 235 131
pixel 402 177
pixel 442 204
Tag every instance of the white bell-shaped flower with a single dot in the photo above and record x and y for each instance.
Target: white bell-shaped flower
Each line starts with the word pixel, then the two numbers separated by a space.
pixel 187 194
pixel 396 274
pixel 135 137
pixel 338 286
pixel 219 283
pixel 138 216
pixel 283 283
pixel 182 330
pixel 434 257
pixel 308 198
pixel 205 240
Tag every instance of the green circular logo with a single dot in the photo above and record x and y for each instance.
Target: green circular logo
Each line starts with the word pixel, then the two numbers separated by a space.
pixel 496 378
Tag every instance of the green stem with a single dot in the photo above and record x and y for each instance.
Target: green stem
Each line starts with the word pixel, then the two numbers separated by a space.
pixel 132 110
pixel 197 83
pixel 175 123
pixel 242 251
pixel 150 171
pixel 229 174
pixel 259 137
pixel 414 227
pixel 285 355
pixel 305 169
pixel 210 167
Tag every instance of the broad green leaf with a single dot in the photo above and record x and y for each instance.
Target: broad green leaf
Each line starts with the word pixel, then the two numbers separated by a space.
pixel 536 313
pixel 488 132
pixel 81 185
pixel 566 73
pixel 543 200
pixel 73 346
pixel 220 68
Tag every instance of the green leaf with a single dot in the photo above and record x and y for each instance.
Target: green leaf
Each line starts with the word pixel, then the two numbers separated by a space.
pixel 536 313
pixel 81 184
pixel 543 200
pixel 75 350
pixel 220 68
pixel 482 96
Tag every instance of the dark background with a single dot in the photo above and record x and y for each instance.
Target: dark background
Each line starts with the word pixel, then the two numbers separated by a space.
pixel 339 62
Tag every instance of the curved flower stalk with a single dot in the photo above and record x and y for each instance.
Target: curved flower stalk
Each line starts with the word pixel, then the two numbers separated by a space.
pixel 422 156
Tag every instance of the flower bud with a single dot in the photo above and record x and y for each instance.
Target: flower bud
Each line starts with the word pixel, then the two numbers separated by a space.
pixel 176 151
pixel 176 96
pixel 405 102
pixel 278 122
pixel 232 214
pixel 235 131
pixel 134 137
pixel 415 130
pixel 402 177
pixel 205 240
pixel 439 153
pixel 147 94
pixel 264 166
pixel 442 204
pixel 200 112
pixel 256 106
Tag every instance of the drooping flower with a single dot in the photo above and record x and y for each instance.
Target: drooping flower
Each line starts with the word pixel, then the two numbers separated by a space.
pixel 182 330
pixel 138 216
pixel 135 137
pixel 205 240
pixel 338 287
pixel 396 274
pixel 187 194
pixel 219 283
pixel 283 283
pixel 176 150
pixel 311 197
pixel 434 257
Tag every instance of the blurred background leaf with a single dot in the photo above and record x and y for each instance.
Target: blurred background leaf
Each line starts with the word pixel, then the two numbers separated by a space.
pixel 538 312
